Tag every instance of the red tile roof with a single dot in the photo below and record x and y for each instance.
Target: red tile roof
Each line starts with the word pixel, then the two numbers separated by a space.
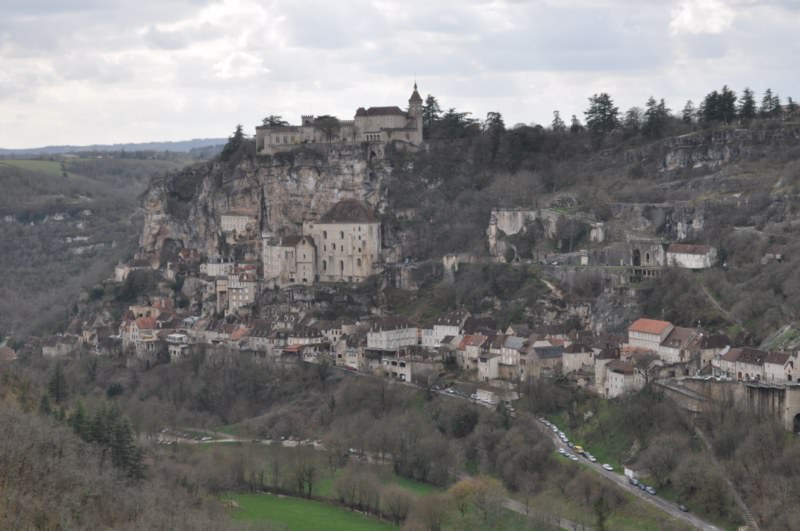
pixel 649 326
pixel 686 248
pixel 475 340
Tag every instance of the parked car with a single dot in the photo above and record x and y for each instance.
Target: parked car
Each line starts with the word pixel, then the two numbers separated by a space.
pixel 650 490
pixel 683 508
pixel 608 467
pixel 573 457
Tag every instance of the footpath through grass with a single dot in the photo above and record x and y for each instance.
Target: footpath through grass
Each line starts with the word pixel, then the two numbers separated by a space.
pixel 303 515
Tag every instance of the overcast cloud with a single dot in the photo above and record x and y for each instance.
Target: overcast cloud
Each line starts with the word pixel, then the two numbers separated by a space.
pixel 106 71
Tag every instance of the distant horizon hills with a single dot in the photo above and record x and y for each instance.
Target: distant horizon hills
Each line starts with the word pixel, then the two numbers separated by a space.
pixel 181 146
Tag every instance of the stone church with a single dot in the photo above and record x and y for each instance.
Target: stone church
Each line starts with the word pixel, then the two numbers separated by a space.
pixel 342 246
pixel 377 126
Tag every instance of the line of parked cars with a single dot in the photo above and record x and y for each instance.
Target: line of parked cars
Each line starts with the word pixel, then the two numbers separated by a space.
pixel 585 453
pixel 647 488
pixel 578 449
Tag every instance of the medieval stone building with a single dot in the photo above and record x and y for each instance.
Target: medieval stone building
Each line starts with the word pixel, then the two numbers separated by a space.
pixel 342 246
pixel 376 126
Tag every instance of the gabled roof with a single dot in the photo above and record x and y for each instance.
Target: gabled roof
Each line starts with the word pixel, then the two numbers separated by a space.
pixel 474 340
pixel 349 211
pixel 391 110
pixel 679 337
pixel 515 343
pixel 649 326
pixel 747 355
pixel 777 358
pixel 686 248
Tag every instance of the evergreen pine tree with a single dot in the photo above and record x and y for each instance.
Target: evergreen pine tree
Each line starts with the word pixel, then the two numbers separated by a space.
pixel 656 118
pixel 727 105
pixel 777 108
pixel 575 125
pixel 688 114
pixel 431 113
pixel 767 101
pixel 747 105
pixel 234 142
pixel 558 124
pixel 602 116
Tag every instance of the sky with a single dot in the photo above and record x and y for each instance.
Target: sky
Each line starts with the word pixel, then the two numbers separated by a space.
pixel 111 71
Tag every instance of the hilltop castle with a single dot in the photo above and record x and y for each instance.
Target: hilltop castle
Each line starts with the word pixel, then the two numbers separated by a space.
pixel 377 126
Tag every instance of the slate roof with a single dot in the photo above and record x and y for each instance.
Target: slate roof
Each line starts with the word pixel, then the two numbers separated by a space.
pixel 549 352
pixel 515 343
pixel 777 358
pixel 390 110
pixel 679 337
pixel 747 355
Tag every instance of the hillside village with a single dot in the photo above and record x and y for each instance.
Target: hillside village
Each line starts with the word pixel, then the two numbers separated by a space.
pixel 262 298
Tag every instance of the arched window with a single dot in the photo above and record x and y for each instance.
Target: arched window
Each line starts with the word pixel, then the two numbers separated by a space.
pixel 341 267
pixel 325 234
pixel 341 235
pixel 358 262
pixel 324 265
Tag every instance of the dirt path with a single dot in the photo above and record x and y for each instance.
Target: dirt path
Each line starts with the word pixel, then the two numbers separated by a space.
pixel 728 315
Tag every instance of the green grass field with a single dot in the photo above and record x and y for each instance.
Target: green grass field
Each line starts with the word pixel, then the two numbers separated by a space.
pixel 42 166
pixel 303 515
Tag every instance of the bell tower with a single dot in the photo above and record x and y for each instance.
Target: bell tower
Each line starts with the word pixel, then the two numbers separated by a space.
pixel 415 112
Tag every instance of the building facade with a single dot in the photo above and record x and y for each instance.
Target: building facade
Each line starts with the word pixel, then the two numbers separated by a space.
pixel 376 126
pixel 344 245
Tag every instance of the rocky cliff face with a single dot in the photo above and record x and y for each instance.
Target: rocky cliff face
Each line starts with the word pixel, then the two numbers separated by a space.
pixel 714 148
pixel 183 210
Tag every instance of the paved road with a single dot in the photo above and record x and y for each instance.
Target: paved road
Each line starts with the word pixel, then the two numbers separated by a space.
pixel 622 482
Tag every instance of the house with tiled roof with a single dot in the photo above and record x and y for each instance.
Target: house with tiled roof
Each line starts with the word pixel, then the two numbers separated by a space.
pixel 779 367
pixel 690 256
pixel 740 363
pixel 677 347
pixel 391 334
pixel 512 356
pixel 470 349
pixel 648 333
pixel 620 379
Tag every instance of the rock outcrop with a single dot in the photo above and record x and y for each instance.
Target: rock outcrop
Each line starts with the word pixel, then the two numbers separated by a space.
pixel 183 210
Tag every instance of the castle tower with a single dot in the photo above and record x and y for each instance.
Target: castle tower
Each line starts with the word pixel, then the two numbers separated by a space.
pixel 415 111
